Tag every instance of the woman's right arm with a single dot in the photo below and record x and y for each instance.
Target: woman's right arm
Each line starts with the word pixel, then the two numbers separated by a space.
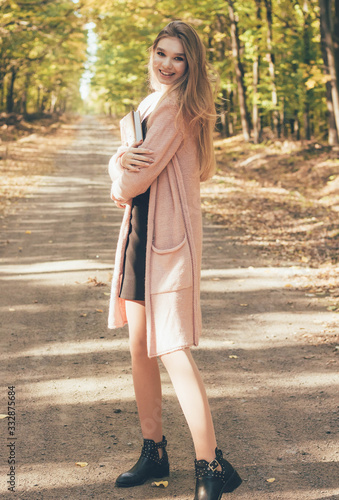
pixel 132 158
pixel 114 166
pixel 164 137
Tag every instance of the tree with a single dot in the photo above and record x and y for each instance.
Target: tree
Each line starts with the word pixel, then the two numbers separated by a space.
pixel 331 62
pixel 42 49
pixel 239 72
pixel 256 79
pixel 271 67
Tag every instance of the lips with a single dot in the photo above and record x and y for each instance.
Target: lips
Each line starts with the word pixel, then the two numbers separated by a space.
pixel 165 74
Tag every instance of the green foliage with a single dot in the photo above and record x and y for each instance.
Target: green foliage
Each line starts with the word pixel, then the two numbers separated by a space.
pixel 127 28
pixel 125 35
pixel 42 52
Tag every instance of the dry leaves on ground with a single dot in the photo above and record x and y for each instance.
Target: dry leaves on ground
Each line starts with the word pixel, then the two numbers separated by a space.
pixel 25 159
pixel 282 199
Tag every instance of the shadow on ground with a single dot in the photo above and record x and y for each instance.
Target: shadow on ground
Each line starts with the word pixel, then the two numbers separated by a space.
pixel 272 394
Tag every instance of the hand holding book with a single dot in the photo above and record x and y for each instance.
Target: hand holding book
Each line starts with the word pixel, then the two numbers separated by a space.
pixel 131 129
pixel 134 157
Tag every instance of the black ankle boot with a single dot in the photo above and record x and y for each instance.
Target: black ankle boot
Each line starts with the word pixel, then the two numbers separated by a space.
pixel 211 483
pixel 148 466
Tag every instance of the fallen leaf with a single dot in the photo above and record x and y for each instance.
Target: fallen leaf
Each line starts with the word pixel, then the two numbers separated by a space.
pixel 81 464
pixel 288 285
pixel 107 293
pixel 28 232
pixel 233 356
pixel 3 416
pixel 99 311
pixel 271 480
pixel 83 315
pixel 95 282
pixel 160 484
pixel 244 305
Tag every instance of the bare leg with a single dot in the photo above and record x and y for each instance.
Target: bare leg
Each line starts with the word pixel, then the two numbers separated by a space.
pixel 146 374
pixel 192 397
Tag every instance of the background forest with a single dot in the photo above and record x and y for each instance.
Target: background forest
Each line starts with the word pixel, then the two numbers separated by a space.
pixel 278 60
pixel 277 133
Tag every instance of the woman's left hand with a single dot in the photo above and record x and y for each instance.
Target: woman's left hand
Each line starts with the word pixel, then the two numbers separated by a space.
pixel 135 158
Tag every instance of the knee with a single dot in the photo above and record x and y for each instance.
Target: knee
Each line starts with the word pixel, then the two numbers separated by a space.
pixel 138 349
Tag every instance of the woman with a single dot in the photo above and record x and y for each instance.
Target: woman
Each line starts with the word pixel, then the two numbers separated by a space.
pixel 156 281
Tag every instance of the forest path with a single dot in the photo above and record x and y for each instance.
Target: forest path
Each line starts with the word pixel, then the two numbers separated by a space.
pixel 273 394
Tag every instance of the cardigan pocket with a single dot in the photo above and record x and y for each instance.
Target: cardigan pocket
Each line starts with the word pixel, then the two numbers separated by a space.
pixel 171 269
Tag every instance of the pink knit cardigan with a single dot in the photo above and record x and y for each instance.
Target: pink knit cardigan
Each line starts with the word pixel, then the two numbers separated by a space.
pixel 174 235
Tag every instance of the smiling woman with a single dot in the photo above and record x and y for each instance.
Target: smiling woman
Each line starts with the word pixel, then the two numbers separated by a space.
pixel 169 61
pixel 156 281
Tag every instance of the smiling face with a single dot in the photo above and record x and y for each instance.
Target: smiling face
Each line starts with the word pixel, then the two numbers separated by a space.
pixel 169 61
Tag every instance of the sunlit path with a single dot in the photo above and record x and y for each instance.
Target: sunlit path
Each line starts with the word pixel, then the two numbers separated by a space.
pixel 273 394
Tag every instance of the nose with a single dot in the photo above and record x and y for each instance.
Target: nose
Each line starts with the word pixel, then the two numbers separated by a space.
pixel 167 63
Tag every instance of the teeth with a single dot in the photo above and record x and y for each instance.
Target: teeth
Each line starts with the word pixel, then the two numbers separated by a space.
pixel 166 74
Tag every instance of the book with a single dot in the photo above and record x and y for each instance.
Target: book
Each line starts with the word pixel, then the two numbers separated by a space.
pixel 130 128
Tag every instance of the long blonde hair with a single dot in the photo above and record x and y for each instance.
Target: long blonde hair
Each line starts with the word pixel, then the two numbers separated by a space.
pixel 194 88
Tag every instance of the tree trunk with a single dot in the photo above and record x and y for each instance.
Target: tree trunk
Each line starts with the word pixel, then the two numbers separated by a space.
pixel 10 92
pixel 1 94
pixel 231 114
pixel 296 126
pixel 220 48
pixel 224 115
pixel 239 72
pixel 307 38
pixel 256 80
pixel 2 89
pixel 307 122
pixel 333 136
pixel 256 114
pixel 271 68
pixel 38 100
pixel 325 13
pixel 25 93
pixel 335 35
pixel 283 119
pixel 52 107
pixel 44 101
pixel 221 25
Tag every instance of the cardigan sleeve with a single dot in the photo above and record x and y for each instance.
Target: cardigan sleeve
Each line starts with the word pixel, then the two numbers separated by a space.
pixel 164 136
pixel 114 165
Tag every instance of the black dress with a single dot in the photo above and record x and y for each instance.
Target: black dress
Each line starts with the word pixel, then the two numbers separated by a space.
pixel 133 278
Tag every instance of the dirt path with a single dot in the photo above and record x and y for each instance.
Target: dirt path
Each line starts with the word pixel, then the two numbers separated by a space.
pixel 273 393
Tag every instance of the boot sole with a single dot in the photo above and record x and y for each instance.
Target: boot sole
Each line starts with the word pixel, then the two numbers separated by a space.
pixel 125 485
pixel 233 483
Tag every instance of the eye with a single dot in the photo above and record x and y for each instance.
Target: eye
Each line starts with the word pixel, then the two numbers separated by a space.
pixel 179 58
pixel 160 53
